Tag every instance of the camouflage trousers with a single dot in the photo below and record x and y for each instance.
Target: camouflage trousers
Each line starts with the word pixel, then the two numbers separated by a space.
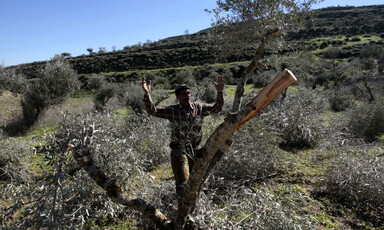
pixel 182 161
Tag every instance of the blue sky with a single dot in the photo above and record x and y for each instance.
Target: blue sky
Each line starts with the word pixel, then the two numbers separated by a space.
pixel 36 30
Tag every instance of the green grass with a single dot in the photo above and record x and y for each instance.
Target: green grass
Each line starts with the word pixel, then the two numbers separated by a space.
pixel 363 40
pixel 110 223
pixel 299 198
pixel 41 131
pixel 123 112
pixel 161 173
pixel 230 90
pixel 162 71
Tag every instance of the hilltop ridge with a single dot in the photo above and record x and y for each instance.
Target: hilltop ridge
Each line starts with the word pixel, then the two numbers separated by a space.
pixel 199 48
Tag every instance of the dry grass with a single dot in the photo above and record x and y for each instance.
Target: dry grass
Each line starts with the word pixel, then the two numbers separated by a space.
pixel 10 110
pixel 52 116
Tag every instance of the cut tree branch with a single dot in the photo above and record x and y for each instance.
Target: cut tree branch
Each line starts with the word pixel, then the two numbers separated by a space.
pixel 83 155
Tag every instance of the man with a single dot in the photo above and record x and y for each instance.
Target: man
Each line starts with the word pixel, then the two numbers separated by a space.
pixel 186 119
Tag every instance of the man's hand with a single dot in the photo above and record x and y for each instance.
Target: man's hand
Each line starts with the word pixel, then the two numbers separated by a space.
pixel 220 84
pixel 146 86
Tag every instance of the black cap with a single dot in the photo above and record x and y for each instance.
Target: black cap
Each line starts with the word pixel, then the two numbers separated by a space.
pixel 181 87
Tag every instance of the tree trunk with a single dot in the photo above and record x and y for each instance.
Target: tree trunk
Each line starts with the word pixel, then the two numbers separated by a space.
pixel 371 98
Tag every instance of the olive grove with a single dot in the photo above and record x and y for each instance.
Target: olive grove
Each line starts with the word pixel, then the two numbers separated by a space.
pixel 310 159
pixel 272 17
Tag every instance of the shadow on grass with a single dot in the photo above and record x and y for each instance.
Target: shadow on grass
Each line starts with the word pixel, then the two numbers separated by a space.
pixel 15 128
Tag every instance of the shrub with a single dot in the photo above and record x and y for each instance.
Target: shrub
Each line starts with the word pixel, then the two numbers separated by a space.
pixel 65 196
pixel 185 77
pixel 356 179
pixel 133 95
pixel 206 91
pixel 58 80
pixel 254 155
pixel 305 65
pixel 262 79
pixel 158 82
pixel 324 45
pixel 10 80
pixel 332 53
pixel 13 161
pixel 367 120
pixel 228 76
pixel 150 138
pixel 95 82
pixel 340 102
pixel 102 96
pixel 297 119
pixel 372 51
pixel 210 94
pixel 34 101
pixel 253 208
pixel 204 72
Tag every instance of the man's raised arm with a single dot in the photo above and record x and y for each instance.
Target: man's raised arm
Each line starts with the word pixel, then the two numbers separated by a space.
pixel 150 107
pixel 220 84
pixel 217 107
pixel 146 86
pixel 163 112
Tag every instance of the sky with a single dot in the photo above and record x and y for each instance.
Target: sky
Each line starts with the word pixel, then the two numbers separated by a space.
pixel 37 30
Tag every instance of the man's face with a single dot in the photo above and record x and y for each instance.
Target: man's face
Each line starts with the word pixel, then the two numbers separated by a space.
pixel 184 97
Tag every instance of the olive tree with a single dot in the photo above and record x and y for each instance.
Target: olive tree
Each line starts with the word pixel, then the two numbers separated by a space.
pixel 266 19
pixel 56 82
pixel 241 23
pixel 12 81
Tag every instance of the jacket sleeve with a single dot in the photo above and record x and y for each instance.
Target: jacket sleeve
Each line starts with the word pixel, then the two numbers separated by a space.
pixel 163 112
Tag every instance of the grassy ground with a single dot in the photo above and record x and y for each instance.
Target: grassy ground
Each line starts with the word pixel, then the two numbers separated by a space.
pixel 301 181
pixel 298 188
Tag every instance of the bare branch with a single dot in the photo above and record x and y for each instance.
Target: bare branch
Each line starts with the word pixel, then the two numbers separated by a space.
pixel 251 67
pixel 161 99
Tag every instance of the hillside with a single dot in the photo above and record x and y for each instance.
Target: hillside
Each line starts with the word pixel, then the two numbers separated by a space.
pixel 199 48
pixel 85 155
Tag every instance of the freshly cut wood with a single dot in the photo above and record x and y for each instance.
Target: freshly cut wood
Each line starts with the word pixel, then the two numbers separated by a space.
pixel 274 88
